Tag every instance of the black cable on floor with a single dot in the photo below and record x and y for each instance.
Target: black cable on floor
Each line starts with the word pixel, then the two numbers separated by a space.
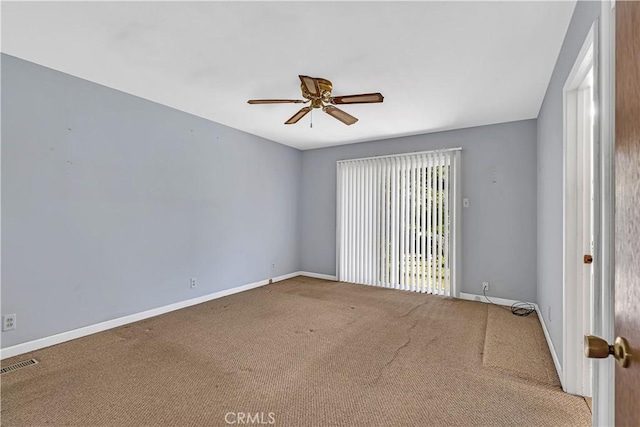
pixel 517 308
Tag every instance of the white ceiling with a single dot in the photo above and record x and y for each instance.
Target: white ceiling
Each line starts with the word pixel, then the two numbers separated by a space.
pixel 440 65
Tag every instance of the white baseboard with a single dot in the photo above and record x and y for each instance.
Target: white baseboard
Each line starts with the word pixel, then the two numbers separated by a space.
pixel 552 349
pixel 481 298
pixel 114 323
pixel 318 275
pixel 286 276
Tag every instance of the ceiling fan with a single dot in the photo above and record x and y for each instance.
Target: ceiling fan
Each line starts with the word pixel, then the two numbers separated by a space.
pixel 317 91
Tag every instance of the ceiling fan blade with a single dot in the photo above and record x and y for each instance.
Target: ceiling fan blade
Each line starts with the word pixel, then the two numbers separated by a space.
pixel 311 85
pixel 345 118
pixel 276 101
pixel 297 116
pixel 364 98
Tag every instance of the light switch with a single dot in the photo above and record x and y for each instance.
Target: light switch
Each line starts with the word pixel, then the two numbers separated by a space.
pixel 465 202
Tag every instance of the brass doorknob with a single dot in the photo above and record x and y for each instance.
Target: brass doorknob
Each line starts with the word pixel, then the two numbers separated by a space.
pixel 597 348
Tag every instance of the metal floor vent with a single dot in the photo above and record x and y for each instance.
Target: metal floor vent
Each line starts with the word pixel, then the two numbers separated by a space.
pixel 18 365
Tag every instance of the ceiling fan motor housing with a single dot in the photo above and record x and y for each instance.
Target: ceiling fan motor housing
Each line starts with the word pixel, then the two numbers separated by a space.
pixel 325 87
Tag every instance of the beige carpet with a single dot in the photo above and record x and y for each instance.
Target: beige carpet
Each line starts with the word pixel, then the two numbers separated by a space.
pixel 312 353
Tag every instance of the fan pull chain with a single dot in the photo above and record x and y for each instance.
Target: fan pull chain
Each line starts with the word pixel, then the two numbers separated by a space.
pixel 311 125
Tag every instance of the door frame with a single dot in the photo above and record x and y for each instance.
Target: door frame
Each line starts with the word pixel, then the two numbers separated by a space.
pixel 578 305
pixel 603 372
pixel 603 386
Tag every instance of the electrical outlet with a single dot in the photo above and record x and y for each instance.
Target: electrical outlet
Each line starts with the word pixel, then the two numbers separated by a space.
pixel 485 286
pixel 193 283
pixel 465 202
pixel 8 322
pixel 273 265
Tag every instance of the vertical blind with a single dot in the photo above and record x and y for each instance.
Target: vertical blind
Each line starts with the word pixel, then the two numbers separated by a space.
pixel 396 221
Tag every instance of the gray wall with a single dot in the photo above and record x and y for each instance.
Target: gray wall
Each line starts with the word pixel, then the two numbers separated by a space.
pixel 550 174
pixel 111 203
pixel 499 227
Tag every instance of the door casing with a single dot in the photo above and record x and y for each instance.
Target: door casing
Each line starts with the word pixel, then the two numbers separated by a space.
pixel 580 214
pixel 603 386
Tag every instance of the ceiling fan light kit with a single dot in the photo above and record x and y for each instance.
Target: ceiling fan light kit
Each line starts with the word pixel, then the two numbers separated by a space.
pixel 317 92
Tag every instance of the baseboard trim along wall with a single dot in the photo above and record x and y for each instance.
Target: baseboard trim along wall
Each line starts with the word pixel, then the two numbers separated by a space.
pixel 114 323
pixel 318 275
pixel 481 298
pixel 552 349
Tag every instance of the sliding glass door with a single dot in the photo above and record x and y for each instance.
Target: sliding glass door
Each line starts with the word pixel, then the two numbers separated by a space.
pixel 397 224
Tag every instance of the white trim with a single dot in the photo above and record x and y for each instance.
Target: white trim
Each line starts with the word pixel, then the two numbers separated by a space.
pixel 285 277
pixel 318 275
pixel 577 304
pixel 114 323
pixel 481 298
pixel 339 222
pixel 552 349
pixel 604 370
